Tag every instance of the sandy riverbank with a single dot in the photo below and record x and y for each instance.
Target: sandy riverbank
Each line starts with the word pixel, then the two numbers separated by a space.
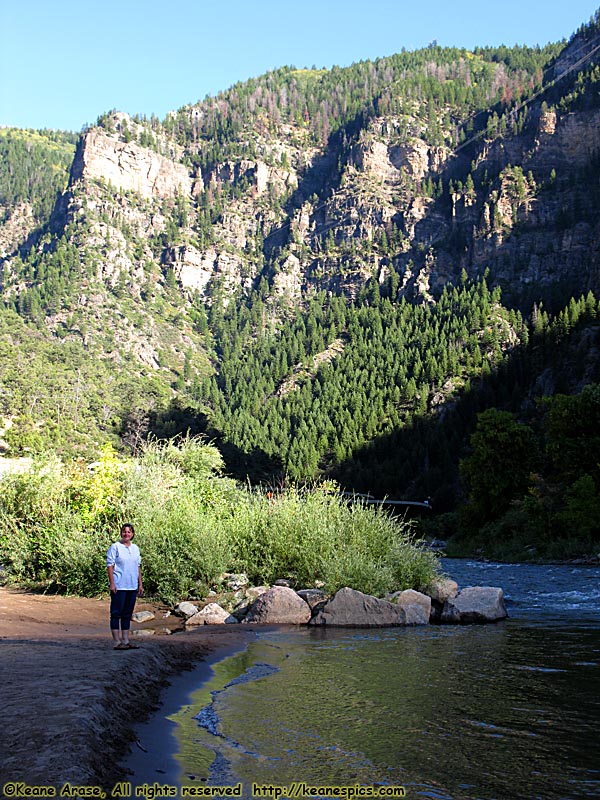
pixel 68 700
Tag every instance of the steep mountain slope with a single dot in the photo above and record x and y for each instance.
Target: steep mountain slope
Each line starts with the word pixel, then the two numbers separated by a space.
pixel 313 259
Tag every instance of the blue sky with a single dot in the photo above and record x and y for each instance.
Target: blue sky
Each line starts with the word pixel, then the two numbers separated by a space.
pixel 63 63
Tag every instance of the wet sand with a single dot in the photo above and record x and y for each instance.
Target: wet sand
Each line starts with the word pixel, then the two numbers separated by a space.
pixel 69 702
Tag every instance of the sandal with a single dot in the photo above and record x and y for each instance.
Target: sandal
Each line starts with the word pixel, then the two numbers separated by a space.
pixel 121 646
pixel 131 646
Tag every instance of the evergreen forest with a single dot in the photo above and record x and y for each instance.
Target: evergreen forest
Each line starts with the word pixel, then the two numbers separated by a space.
pixel 419 325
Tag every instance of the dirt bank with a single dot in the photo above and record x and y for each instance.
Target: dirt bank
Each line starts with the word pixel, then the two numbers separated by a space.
pixel 68 700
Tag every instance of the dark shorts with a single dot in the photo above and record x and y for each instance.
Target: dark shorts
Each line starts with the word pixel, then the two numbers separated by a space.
pixel 122 604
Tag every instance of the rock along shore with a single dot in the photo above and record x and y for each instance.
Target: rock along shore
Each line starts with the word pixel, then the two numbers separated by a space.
pixel 442 602
pixel 69 702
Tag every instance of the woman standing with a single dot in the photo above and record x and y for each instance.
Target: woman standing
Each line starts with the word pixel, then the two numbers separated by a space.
pixel 125 579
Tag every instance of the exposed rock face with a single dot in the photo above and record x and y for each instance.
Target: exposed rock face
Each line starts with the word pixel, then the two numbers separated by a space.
pixel 16 228
pixel 288 282
pixel 256 173
pixel 547 123
pixel 475 604
pixel 351 608
pixel 192 268
pixel 129 167
pixel 11 466
pixel 279 605
pixel 376 200
pixel 384 152
pixel 548 232
pixel 517 228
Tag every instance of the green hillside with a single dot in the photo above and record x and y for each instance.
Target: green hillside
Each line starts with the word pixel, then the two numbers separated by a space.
pixel 330 273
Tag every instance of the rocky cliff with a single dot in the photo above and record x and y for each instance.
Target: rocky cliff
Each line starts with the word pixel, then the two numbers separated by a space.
pixel 247 258
pixel 253 188
pixel 128 167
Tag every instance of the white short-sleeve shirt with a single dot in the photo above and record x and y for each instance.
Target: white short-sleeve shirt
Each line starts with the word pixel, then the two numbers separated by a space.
pixel 126 562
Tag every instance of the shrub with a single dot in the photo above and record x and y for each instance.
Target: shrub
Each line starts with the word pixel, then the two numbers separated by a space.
pixel 315 535
pixel 57 522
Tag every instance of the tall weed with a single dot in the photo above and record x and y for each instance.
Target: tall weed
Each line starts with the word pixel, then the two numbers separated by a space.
pixel 56 523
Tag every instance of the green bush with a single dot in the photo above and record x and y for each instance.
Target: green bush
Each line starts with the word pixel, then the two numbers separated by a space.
pixel 314 535
pixel 183 553
pixel 43 538
pixel 57 521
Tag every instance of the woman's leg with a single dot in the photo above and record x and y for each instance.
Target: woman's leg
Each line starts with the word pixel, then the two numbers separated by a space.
pixel 116 611
pixel 126 612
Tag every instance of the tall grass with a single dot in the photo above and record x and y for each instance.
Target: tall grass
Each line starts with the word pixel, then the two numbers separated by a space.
pixel 192 524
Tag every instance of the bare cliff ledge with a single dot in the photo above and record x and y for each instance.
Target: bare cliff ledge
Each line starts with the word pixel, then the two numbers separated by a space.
pixel 129 167
pixel 384 198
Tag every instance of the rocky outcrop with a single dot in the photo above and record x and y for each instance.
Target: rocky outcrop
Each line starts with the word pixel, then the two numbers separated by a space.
pixel 15 229
pixel 385 152
pixel 288 280
pixel 279 605
pixel 475 604
pixel 129 167
pixel 12 466
pixel 397 192
pixel 257 174
pixel 192 268
pixel 301 211
pixel 195 269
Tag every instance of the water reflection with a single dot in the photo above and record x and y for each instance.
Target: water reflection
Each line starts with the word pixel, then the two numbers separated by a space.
pixel 505 711
pixel 497 711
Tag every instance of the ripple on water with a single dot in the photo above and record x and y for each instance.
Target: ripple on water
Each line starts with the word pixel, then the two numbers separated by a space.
pixel 439 710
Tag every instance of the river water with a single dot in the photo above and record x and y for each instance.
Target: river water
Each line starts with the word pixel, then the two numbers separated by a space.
pixel 494 712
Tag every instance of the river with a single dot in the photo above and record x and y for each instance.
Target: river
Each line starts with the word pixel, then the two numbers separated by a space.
pixel 493 712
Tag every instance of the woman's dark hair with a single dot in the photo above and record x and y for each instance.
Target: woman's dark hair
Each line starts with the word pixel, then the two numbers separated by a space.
pixel 128 525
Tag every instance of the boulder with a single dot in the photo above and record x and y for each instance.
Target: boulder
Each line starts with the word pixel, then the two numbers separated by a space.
pixel 351 608
pixel 211 614
pixel 254 592
pixel 416 605
pixel 442 590
pixel 312 596
pixel 244 599
pixel 185 609
pixel 142 616
pixel 475 604
pixel 279 605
